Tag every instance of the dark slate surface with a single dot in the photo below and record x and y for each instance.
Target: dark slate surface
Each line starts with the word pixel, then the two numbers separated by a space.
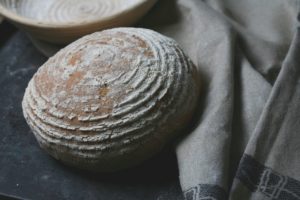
pixel 28 172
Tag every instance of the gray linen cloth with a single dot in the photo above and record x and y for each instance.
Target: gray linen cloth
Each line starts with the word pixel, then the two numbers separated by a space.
pixel 245 144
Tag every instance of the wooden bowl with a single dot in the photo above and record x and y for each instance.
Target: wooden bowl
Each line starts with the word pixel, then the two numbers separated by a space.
pixel 63 21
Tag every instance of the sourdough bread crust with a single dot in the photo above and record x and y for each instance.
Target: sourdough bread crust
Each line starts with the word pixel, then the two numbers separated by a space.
pixel 111 99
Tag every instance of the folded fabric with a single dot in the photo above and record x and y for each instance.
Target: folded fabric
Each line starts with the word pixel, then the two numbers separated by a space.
pixel 245 144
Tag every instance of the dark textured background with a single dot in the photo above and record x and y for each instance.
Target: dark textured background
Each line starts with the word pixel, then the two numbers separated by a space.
pixel 27 172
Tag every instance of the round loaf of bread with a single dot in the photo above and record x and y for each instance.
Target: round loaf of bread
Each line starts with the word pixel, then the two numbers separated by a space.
pixel 111 99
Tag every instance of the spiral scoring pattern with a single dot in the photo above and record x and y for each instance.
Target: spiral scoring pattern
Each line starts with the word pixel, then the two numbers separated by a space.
pixel 68 10
pixel 110 94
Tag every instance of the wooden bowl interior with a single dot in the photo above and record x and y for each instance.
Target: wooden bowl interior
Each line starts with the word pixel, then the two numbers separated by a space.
pixel 67 12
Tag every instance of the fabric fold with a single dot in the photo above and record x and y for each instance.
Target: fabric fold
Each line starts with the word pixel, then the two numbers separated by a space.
pixel 271 164
pixel 245 142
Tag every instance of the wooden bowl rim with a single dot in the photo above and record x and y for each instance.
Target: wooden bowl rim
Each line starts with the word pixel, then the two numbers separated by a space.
pixel 5 12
